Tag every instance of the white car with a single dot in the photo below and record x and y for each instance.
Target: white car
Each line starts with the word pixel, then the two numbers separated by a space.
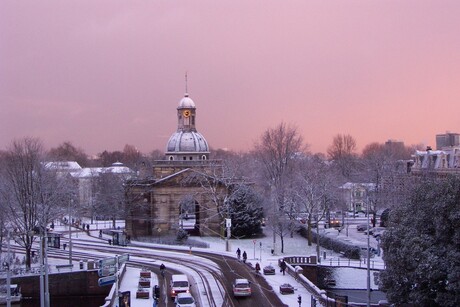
pixel 185 300
pixel 241 287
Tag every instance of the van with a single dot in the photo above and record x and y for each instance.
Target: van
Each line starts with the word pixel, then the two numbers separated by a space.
pixel 179 284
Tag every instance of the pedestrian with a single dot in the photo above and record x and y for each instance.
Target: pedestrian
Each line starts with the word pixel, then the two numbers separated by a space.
pixel 257 268
pixel 238 253
pixel 100 233
pixel 245 256
pixel 283 266
pixel 64 246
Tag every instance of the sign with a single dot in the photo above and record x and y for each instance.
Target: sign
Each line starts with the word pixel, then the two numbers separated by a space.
pixel 228 223
pixel 105 281
pixel 113 260
pixel 107 262
pixel 123 258
pixel 107 270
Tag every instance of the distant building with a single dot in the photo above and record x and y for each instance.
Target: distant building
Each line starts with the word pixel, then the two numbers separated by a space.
pixel 446 161
pixel 357 195
pixel 447 140
pixel 85 177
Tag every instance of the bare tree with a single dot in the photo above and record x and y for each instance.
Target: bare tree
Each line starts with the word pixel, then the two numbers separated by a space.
pixel 276 152
pixel 342 153
pixel 30 194
pixel 380 168
pixel 314 189
pixel 109 196
pixel 68 152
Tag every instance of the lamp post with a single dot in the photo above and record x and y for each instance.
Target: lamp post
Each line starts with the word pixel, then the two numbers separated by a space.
pixel 70 231
pixel 8 275
pixel 368 259
pixel 47 289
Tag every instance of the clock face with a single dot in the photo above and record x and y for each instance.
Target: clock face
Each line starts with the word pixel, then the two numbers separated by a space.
pixel 186 113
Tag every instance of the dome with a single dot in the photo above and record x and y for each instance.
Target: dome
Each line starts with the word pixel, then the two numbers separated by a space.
pixel 186 102
pixel 190 142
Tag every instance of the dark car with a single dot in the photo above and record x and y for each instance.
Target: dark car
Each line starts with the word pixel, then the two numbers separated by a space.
pixel 362 227
pixel 286 289
pixel 269 270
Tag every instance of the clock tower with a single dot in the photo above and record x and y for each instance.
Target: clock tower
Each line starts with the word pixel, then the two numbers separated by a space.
pixel 187 144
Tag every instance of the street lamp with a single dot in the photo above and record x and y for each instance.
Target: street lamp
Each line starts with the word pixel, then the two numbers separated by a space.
pixel 70 231
pixel 8 275
pixel 368 259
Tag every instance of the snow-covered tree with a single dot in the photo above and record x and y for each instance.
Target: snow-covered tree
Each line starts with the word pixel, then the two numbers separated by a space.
pixel 30 195
pixel 422 246
pixel 246 211
pixel 313 188
pixel 109 198
pixel 276 153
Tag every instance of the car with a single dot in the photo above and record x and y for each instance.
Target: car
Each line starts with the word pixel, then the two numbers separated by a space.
pixel 241 287
pixel 378 233
pixel 269 270
pixel 374 230
pixel 184 300
pixel 362 227
pixel 286 289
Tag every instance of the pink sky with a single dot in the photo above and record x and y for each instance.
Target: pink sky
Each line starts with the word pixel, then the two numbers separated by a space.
pixel 103 74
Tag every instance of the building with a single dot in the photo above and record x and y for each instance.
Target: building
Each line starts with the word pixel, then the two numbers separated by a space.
pixel 182 191
pixel 446 161
pixel 357 195
pixel 85 178
pixel 447 140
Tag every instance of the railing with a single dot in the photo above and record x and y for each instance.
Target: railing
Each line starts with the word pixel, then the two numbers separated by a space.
pixel 336 262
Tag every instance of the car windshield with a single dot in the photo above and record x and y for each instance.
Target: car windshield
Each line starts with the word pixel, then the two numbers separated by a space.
pixel 180 284
pixel 242 286
pixel 185 300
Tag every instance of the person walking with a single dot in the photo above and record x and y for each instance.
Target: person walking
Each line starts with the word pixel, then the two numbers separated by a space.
pixel 238 253
pixel 257 268
pixel 283 266
pixel 162 270
pixel 245 256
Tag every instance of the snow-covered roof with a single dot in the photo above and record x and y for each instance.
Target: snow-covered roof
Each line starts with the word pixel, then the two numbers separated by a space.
pixel 63 165
pixel 351 185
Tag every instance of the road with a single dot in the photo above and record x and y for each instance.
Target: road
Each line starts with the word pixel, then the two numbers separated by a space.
pixel 212 274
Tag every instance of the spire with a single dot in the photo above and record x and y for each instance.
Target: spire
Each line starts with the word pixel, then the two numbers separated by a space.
pixel 186 89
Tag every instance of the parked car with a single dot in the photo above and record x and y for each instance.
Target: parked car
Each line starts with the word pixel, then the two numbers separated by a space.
pixel 374 230
pixel 378 233
pixel 362 227
pixel 241 287
pixel 269 270
pixel 286 289
pixel 184 300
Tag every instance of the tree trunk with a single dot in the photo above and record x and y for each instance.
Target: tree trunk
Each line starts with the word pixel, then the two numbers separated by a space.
pixel 282 243
pixel 28 258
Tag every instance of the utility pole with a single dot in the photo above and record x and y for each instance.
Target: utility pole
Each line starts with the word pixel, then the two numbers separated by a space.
pixel 228 224
pixel 47 288
pixel 42 282
pixel 70 231
pixel 368 260
pixel 8 275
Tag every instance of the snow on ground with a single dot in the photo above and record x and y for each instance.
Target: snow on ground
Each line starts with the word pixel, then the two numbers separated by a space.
pixel 258 250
